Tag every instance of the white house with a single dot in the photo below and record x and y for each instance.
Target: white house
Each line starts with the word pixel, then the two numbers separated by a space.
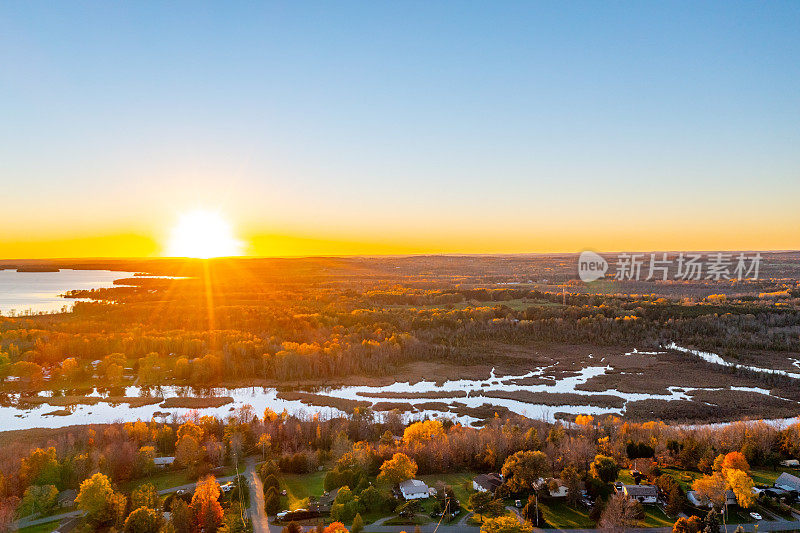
pixel 559 490
pixel 641 493
pixel 791 463
pixel 414 489
pixel 163 462
pixel 487 482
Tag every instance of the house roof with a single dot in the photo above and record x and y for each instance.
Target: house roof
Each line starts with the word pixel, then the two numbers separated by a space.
pixel 489 481
pixel 640 490
pixel 67 496
pixel 788 481
pixel 163 460
pixel 413 486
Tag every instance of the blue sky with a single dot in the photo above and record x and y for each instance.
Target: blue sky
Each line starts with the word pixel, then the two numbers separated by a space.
pixel 430 126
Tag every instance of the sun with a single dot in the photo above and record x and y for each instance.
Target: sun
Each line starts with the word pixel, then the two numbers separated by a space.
pixel 203 234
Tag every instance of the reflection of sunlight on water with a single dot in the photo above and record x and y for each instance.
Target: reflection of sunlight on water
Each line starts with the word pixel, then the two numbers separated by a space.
pixel 261 398
pixel 39 292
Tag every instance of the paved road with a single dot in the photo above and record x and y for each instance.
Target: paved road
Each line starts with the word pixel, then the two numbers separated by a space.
pixel 378 527
pixel 257 513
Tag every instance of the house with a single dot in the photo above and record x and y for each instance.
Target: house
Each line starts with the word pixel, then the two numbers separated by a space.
pixel 557 489
pixel 414 489
pixel 487 482
pixel 641 493
pixel 66 498
pixel 163 462
pixel 788 481
pixel 695 499
pixel 791 463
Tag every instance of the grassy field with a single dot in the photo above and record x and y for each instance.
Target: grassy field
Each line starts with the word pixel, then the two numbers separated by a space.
pixel 161 480
pixel 684 477
pixel 41 528
pixel 299 487
pixel 768 477
pixel 559 515
pixel 655 517
pixel 460 482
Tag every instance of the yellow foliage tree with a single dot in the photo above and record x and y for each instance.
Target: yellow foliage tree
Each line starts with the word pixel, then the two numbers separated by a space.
pixel 399 468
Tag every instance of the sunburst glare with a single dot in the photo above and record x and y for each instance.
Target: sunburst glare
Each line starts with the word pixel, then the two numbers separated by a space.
pixel 203 234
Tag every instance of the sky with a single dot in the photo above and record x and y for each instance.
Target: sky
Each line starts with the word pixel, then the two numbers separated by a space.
pixel 337 128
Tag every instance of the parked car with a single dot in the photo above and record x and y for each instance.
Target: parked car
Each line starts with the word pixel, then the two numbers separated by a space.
pixel 298 514
pixel 756 516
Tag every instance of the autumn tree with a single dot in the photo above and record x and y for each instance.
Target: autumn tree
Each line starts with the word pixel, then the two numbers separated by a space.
pixel 397 469
pixel 96 499
pixel 358 524
pixel 485 504
pixel 735 461
pixel 40 467
pixel 604 468
pixel 522 470
pixel 620 513
pixel 572 480
pixel 206 509
pixel 181 516
pixel 421 432
pixel 693 524
pixel 143 520
pixel 742 486
pixel 145 496
pixel 38 499
pixel 272 501
pixel 505 524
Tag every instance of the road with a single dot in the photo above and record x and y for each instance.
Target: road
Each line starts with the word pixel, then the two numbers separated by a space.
pixel 462 527
pixel 257 514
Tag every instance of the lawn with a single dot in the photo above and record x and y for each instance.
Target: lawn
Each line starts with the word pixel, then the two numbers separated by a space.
pixel 561 516
pixel 768 477
pixel 625 477
pixel 460 482
pixel 655 517
pixel 684 477
pixel 161 480
pixel 41 528
pixel 299 487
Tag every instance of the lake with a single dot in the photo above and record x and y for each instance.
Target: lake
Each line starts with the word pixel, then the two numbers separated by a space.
pixel 38 292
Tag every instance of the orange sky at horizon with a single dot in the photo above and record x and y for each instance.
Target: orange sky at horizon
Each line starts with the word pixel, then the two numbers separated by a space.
pixel 508 241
